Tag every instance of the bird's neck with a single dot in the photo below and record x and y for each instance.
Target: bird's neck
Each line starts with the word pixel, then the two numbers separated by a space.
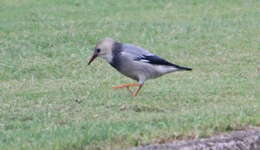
pixel 108 57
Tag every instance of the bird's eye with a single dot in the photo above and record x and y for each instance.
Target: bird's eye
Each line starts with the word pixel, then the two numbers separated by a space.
pixel 98 50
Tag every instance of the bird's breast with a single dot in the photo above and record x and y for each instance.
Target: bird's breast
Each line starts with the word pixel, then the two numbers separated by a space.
pixel 125 67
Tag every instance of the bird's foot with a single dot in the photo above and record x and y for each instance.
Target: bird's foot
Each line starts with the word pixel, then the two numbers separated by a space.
pixel 134 94
pixel 129 90
pixel 127 86
pixel 137 91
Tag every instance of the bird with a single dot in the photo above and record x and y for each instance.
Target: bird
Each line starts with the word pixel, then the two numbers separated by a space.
pixel 134 62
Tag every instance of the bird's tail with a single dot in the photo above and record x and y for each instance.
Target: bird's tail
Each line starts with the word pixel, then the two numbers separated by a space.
pixel 184 68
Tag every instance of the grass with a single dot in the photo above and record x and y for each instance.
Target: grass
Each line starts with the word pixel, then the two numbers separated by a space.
pixel 51 99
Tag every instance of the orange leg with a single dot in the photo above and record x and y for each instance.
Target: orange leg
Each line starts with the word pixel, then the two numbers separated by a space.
pixel 130 85
pixel 125 85
pixel 137 91
pixel 129 90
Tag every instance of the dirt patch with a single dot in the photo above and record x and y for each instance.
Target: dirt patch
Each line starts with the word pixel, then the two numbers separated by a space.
pixel 236 140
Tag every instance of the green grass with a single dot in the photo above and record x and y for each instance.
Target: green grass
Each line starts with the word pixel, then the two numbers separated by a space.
pixel 51 99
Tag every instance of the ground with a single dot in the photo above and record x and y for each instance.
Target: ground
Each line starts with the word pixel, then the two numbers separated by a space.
pixel 51 99
pixel 248 139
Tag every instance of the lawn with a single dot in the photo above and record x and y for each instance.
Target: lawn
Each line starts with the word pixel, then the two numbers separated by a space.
pixel 51 100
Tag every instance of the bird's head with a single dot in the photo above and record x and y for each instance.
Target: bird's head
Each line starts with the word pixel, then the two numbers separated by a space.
pixel 103 49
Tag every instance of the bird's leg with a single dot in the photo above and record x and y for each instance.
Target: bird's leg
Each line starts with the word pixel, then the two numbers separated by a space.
pixel 130 85
pixel 129 90
pixel 139 88
pixel 126 85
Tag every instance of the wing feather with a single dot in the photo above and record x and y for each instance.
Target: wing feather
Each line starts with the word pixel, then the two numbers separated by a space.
pixel 139 54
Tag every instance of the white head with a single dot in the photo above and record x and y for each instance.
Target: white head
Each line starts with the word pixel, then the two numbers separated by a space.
pixel 103 49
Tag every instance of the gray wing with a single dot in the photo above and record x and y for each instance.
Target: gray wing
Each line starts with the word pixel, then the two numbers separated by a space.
pixel 139 54
pixel 134 52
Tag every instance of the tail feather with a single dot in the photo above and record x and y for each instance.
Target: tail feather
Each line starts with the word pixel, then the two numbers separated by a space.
pixel 183 68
